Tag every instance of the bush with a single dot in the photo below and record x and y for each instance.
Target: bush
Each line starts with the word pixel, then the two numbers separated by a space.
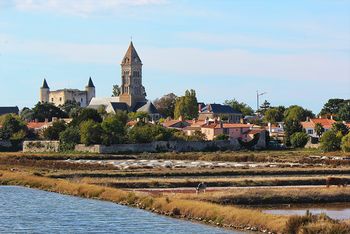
pixel 53 132
pixel 69 138
pixel 221 137
pixel 85 115
pixel 90 132
pixel 345 143
pixel 145 133
pixel 299 139
pixel 330 141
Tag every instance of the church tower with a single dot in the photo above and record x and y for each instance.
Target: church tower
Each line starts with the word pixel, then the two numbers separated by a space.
pixel 132 90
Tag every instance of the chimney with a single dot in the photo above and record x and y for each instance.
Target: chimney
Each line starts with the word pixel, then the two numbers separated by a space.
pixel 46 120
pixel 307 119
pixel 36 120
pixel 199 108
pixel 270 127
pixel 331 117
pixel 181 118
pixel 241 120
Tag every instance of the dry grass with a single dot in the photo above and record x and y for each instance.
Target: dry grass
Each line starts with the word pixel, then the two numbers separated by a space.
pixel 259 196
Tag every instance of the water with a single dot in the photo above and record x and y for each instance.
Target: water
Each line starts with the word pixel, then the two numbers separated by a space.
pixel 334 211
pixel 24 210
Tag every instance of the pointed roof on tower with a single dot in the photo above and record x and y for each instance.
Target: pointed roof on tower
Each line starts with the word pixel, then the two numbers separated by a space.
pixel 131 56
pixel 45 86
pixel 90 84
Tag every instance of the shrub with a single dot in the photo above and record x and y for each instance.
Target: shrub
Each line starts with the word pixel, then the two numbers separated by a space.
pixel 53 132
pixel 69 138
pixel 221 137
pixel 299 139
pixel 90 132
pixel 85 115
pixel 345 143
pixel 330 141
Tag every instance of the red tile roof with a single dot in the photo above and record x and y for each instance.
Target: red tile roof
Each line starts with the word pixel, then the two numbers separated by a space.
pixel 227 125
pixel 38 125
pixel 326 123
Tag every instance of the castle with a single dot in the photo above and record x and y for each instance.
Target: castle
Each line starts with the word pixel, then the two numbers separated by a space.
pixel 61 96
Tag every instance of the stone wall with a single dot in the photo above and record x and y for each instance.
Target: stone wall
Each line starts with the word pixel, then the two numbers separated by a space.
pixel 159 146
pixel 41 146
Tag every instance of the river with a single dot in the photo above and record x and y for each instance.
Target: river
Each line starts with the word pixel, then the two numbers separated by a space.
pixel 24 210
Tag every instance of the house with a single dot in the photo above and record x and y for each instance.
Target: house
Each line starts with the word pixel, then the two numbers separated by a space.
pixel 176 123
pixel 276 130
pixel 309 125
pixel 151 110
pixel 217 111
pixel 9 110
pixel 232 130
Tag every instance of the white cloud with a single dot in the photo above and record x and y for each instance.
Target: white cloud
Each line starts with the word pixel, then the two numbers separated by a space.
pixel 81 7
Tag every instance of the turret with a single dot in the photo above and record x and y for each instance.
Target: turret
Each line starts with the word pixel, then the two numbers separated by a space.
pixel 91 92
pixel 44 92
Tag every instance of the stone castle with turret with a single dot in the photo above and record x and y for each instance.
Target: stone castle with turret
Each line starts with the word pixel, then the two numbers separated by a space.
pixel 61 96
pixel 132 93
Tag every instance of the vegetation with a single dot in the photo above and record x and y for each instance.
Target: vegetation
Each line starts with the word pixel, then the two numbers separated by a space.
pixel 319 129
pixel 116 91
pixel 13 128
pixel 240 106
pixel 69 138
pixel 221 137
pixel 299 139
pixel 46 111
pixel 166 105
pixel 345 143
pixel 337 107
pixel 186 106
pixel 330 141
pixel 53 132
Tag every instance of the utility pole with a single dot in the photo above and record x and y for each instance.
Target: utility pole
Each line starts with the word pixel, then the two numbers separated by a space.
pixel 257 100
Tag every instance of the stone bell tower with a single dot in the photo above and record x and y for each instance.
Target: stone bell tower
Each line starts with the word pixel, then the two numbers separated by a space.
pixel 132 90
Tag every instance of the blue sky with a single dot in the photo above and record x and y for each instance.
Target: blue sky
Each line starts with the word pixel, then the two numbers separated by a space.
pixel 296 51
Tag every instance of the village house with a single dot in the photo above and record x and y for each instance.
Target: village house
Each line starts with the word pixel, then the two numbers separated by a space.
pixel 232 130
pixel 9 110
pixel 217 111
pixel 309 125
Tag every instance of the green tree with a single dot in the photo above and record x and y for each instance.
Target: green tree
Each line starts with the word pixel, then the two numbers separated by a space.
pixel 332 106
pixel 90 132
pixel 291 127
pixel 116 91
pixel 12 128
pixel 87 114
pixel 330 141
pixel 53 132
pixel 264 107
pixel 197 136
pixel 345 143
pixel 344 112
pixel 221 137
pixel 340 127
pixel 299 139
pixel 297 113
pixel 187 105
pixel 240 106
pixel 69 138
pixel 319 129
pixel 44 111
pixel 69 107
pixel 137 115
pixel 273 115
pixel 27 114
pixel 145 133
pixel 113 129
pixel 166 105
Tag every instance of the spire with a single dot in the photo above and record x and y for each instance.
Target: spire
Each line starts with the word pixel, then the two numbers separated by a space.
pixel 131 56
pixel 45 86
pixel 90 84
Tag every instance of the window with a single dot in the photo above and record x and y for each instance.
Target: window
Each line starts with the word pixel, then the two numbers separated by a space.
pixel 310 131
pixel 81 100
pixel 225 130
pixel 51 99
pixel 60 99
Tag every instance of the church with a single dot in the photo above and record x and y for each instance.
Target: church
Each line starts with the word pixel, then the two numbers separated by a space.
pixel 132 96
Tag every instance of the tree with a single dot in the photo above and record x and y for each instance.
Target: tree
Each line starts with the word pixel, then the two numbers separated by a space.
pixel 319 129
pixel 137 115
pixel 299 139
pixel 166 105
pixel 273 115
pixel 297 113
pixel 332 106
pixel 197 136
pixel 116 91
pixel 344 112
pixel 43 111
pixel 69 107
pixel 90 132
pixel 330 141
pixel 145 133
pixel 69 138
pixel 264 107
pixel 113 128
pixel 240 106
pixel 345 143
pixel 12 128
pixel 187 105
pixel 221 137
pixel 53 132
pixel 291 127
pixel 340 127
pixel 27 114
pixel 87 114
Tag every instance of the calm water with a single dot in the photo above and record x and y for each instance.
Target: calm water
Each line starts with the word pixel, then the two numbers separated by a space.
pixel 24 210
pixel 335 211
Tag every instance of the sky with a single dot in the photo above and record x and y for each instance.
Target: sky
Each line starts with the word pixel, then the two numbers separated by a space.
pixel 298 52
